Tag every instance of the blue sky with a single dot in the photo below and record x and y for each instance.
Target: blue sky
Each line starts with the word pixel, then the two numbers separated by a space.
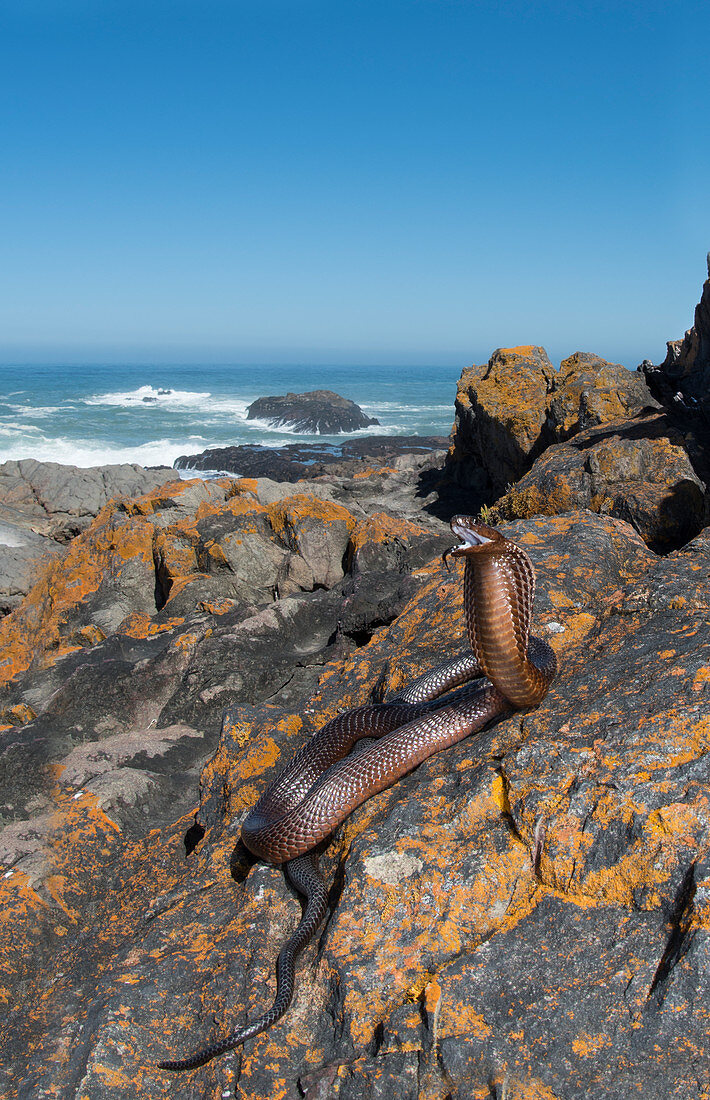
pixel 390 181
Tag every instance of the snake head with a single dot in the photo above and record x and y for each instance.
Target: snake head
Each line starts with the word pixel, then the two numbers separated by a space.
pixel 473 537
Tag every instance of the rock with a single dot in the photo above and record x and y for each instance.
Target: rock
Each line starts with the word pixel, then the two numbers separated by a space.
pixel 526 913
pixel 310 460
pixel 317 412
pixel 588 391
pixel 501 410
pixel 682 385
pixel 157 591
pixel 509 411
pixel 683 379
pixel 60 501
pixel 637 470
pixel 43 505
pixel 22 554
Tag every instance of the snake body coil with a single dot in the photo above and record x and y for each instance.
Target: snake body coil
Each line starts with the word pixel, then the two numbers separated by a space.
pixel 324 783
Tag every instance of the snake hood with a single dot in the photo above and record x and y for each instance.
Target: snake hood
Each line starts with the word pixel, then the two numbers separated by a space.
pixel 499 591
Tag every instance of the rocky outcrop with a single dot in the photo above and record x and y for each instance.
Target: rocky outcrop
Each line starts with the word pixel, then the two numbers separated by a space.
pixel 683 379
pixel 510 410
pixel 145 605
pixel 588 391
pixel 317 412
pixel 297 461
pixel 60 501
pixel 500 415
pixel 43 505
pixel 636 469
pixel 525 913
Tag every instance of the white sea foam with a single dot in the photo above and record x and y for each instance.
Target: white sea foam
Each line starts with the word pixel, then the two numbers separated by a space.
pixel 286 429
pixel 9 427
pixel 397 406
pixel 157 452
pixel 148 395
pixel 41 412
pixel 167 399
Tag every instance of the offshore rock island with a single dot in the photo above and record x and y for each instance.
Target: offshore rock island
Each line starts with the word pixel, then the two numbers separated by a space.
pixel 318 412
pixel 525 915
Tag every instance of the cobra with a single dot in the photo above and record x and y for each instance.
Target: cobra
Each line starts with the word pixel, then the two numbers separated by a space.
pixel 326 781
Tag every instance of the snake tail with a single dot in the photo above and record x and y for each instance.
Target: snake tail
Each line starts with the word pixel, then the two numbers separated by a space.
pixel 305 876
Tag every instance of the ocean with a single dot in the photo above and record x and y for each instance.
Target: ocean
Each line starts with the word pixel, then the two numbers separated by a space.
pixel 94 415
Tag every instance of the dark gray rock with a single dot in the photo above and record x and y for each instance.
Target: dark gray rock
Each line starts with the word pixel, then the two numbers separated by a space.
pixel 310 460
pixel 317 412
pixel 60 501
pixel 22 554
pixel 683 379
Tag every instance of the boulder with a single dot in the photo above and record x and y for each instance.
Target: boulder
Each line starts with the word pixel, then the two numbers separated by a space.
pixel 317 412
pixel 23 552
pixel 637 470
pixel 43 505
pixel 509 411
pixel 588 390
pixel 501 410
pixel 526 913
pixel 162 588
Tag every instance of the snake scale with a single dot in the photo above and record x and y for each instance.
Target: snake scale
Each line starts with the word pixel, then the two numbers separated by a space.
pixel 325 781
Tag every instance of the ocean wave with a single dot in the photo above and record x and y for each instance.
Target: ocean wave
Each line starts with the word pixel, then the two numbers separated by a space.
pixel 284 429
pixel 72 452
pixel 40 411
pixel 165 398
pixel 8 427
pixel 148 395
pixel 397 406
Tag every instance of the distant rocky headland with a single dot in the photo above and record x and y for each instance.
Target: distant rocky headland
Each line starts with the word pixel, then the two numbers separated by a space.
pixel 317 412
pixel 526 914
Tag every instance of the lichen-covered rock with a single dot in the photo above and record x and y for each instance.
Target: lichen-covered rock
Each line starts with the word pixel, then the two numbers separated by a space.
pixel 43 505
pixel 500 414
pixel 188 544
pixel 588 390
pixel 22 553
pixel 637 470
pixel 510 410
pixel 526 914
pixel 170 607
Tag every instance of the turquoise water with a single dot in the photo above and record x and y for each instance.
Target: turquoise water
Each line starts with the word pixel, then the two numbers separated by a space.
pixel 91 415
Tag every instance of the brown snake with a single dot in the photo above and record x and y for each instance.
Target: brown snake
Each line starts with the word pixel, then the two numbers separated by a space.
pixel 325 781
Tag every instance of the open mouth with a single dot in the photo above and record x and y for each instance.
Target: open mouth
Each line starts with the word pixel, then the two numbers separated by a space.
pixel 468 537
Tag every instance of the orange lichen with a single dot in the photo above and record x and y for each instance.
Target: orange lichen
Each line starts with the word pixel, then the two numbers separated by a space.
pixel 374 471
pixel 140 625
pixel 36 633
pixel 19 714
